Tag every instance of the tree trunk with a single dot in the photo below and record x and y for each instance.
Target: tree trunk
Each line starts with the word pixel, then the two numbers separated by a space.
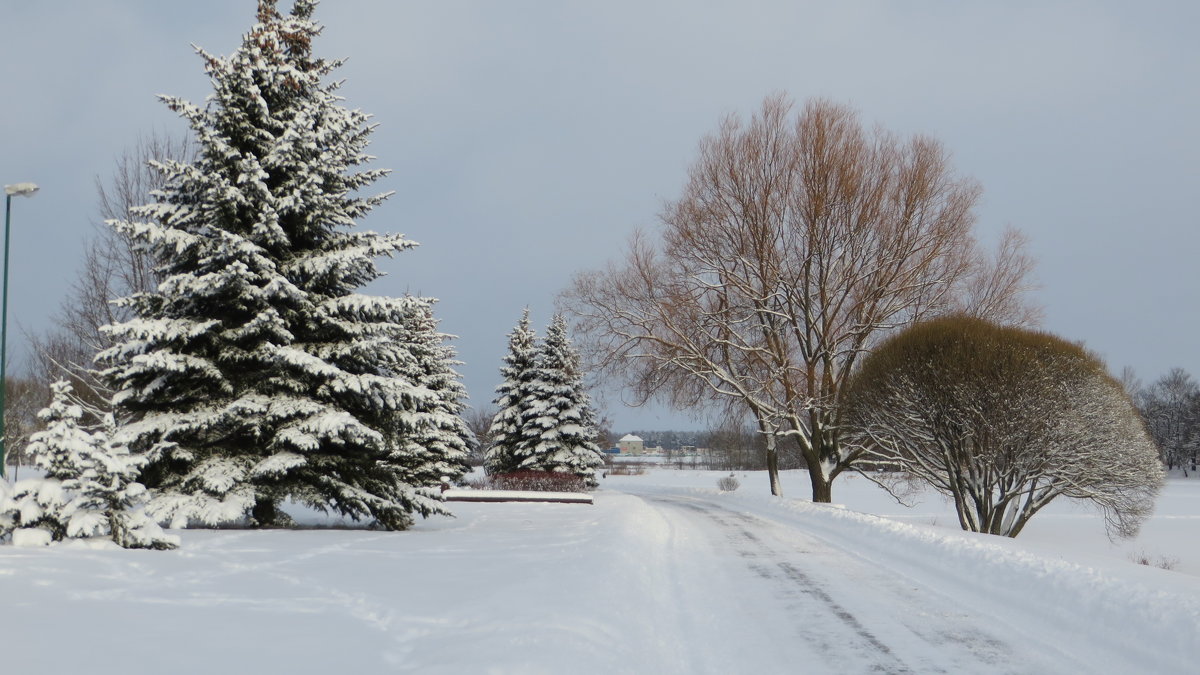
pixel 265 513
pixel 822 487
pixel 822 446
pixel 773 469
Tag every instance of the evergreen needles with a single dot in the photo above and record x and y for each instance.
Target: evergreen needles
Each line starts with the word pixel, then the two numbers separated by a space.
pixel 255 372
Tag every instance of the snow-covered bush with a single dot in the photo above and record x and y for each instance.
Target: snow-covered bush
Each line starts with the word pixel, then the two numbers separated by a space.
pixel 37 504
pixel 1003 420
pixel 89 488
pixel 728 483
pixel 1161 561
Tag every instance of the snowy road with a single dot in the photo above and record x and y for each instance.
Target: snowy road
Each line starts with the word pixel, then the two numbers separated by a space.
pixel 807 606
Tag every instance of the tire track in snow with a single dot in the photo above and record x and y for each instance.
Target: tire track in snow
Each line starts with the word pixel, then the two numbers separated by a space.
pixel 859 615
pixel 686 659
pixel 769 564
pixel 937 628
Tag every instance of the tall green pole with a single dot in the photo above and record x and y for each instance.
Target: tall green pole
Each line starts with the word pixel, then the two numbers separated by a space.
pixel 4 331
pixel 20 190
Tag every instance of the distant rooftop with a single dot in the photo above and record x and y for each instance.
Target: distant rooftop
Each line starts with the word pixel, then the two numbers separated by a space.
pixel 630 437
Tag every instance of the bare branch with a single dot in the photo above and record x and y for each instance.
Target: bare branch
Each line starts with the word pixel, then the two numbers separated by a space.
pixel 113 266
pixel 800 240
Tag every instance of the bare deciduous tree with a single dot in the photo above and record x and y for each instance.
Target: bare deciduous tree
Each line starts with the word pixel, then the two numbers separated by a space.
pixel 736 446
pixel 112 267
pixel 799 240
pixel 1171 407
pixel 1131 383
pixel 996 288
pixel 479 421
pixel 605 436
pixel 1004 421
pixel 23 399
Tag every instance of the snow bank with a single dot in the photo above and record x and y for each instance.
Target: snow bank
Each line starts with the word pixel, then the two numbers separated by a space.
pixel 30 537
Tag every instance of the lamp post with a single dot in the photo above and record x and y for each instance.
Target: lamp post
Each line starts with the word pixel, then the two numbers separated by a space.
pixel 10 191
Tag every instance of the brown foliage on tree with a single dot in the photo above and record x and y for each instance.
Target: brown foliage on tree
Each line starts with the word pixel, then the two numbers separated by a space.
pixel 799 241
pixel 1003 420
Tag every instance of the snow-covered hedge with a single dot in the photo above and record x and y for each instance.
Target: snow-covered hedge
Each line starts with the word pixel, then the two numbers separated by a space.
pixel 539 481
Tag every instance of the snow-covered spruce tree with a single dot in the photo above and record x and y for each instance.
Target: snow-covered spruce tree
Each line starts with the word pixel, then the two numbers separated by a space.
pixel 254 372
pixel 510 449
pixel 558 418
pixel 89 488
pixel 108 500
pixel 433 441
pixel 44 503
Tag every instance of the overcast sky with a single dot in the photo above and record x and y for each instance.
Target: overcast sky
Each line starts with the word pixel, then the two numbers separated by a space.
pixel 528 139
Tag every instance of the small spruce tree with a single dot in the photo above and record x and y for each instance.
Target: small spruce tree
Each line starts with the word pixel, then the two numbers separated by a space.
pixel 108 499
pixel 89 488
pixel 544 420
pixel 558 419
pixel 433 442
pixel 45 503
pixel 510 449
pixel 255 373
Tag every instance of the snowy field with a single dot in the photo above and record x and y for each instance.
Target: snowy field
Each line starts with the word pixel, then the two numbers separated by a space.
pixel 662 575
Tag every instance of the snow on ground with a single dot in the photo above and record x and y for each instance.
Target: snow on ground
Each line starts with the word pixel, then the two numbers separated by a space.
pixel 1065 528
pixel 1067 586
pixel 662 575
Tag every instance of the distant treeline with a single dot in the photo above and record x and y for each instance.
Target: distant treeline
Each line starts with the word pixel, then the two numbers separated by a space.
pixel 730 448
pixel 673 440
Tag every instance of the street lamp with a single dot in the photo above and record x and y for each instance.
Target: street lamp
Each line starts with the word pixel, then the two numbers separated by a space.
pixel 10 191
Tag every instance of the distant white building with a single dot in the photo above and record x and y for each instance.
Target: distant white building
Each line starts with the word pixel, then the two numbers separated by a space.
pixel 631 445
